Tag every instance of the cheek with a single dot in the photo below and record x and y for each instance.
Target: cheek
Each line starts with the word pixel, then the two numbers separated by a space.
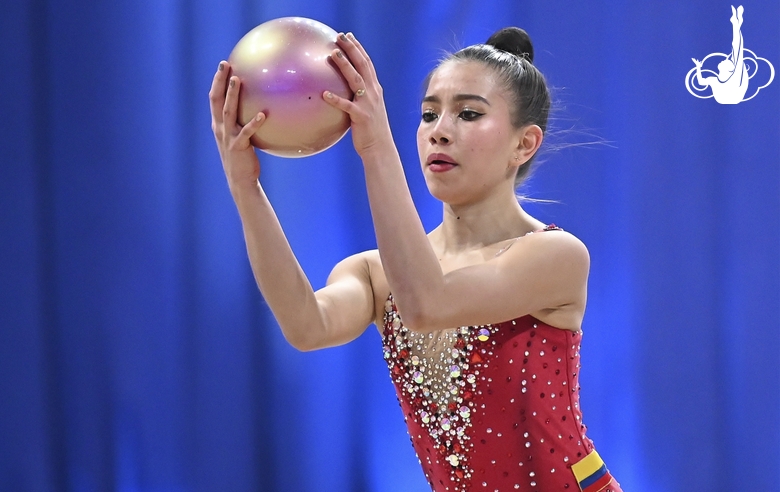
pixel 496 141
pixel 491 149
pixel 421 139
pixel 422 131
pixel 486 143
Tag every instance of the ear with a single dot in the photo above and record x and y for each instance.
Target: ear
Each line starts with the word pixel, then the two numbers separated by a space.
pixel 529 140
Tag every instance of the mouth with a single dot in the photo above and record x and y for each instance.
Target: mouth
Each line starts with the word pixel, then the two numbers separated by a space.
pixel 440 160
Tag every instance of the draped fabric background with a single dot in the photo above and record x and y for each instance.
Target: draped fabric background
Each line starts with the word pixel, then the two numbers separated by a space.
pixel 136 353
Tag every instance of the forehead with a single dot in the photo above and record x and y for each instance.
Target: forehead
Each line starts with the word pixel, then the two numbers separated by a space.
pixel 463 77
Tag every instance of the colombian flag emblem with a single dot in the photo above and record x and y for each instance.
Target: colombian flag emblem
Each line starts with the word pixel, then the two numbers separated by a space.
pixel 592 473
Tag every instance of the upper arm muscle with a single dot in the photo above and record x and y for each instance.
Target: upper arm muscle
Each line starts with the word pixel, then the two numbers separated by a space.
pixel 346 302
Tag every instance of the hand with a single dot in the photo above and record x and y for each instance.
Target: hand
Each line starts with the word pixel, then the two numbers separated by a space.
pixel 370 127
pixel 239 159
pixel 696 62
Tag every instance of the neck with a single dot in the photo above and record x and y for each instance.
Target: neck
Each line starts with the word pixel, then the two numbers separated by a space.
pixel 473 226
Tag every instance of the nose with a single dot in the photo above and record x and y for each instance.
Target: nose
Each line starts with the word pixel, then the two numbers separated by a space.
pixel 442 131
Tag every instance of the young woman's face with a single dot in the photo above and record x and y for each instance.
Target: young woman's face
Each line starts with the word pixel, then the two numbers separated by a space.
pixel 466 142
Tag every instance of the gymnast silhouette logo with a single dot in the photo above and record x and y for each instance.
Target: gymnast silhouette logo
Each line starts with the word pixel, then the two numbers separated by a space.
pixel 729 85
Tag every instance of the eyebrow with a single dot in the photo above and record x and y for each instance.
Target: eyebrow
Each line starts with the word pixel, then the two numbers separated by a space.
pixel 458 97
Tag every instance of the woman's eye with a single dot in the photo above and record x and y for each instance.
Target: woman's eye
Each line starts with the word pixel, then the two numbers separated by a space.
pixel 429 116
pixel 469 115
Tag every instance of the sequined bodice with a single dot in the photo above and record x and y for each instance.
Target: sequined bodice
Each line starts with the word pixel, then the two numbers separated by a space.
pixel 492 407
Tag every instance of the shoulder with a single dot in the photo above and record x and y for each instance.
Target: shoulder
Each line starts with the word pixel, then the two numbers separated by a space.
pixel 552 252
pixel 555 242
pixel 358 263
pixel 365 259
pixel 366 266
pixel 557 264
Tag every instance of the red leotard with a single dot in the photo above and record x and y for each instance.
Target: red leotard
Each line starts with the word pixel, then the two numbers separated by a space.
pixel 494 407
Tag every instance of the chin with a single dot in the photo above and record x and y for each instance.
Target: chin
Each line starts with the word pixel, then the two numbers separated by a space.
pixel 448 194
pixel 440 192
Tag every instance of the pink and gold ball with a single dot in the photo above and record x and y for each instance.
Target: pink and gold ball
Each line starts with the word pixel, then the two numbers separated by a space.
pixel 285 66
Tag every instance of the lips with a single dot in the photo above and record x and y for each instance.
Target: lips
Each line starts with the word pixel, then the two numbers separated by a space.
pixel 440 159
pixel 439 163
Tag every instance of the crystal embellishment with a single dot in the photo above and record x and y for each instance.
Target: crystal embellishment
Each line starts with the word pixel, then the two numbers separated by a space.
pixel 441 378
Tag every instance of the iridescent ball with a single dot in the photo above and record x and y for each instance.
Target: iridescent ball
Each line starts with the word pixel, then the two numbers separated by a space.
pixel 285 66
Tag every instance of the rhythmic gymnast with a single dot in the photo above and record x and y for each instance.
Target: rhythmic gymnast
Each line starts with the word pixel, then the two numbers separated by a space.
pixel 480 318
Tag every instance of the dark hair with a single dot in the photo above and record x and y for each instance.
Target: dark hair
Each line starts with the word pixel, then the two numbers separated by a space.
pixel 510 53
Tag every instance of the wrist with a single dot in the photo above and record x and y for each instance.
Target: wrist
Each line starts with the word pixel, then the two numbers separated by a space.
pixel 379 152
pixel 241 188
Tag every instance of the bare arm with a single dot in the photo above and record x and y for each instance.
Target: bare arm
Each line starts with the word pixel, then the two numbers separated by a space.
pixel 540 271
pixel 335 314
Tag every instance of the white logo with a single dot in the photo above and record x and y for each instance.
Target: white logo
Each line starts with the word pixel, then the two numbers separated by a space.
pixel 729 84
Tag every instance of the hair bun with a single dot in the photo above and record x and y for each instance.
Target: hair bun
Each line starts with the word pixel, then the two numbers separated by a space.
pixel 513 40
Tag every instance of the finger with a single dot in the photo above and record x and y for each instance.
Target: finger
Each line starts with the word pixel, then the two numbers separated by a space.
pixel 363 51
pixel 356 55
pixel 231 102
pixel 217 92
pixel 251 128
pixel 353 78
pixel 339 102
pixel 353 40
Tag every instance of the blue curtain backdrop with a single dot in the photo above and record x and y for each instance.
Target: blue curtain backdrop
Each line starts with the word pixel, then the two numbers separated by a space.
pixel 137 355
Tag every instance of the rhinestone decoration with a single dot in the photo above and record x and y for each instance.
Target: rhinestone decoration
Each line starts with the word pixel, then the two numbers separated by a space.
pixel 440 375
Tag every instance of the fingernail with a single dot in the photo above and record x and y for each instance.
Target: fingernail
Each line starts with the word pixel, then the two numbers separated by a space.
pixel 221 66
pixel 259 116
pixel 350 35
pixel 329 95
pixel 232 82
pixel 339 54
pixel 342 37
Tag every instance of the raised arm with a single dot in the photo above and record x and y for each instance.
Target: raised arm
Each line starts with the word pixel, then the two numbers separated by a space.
pixel 409 262
pixel 539 272
pixel 335 314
